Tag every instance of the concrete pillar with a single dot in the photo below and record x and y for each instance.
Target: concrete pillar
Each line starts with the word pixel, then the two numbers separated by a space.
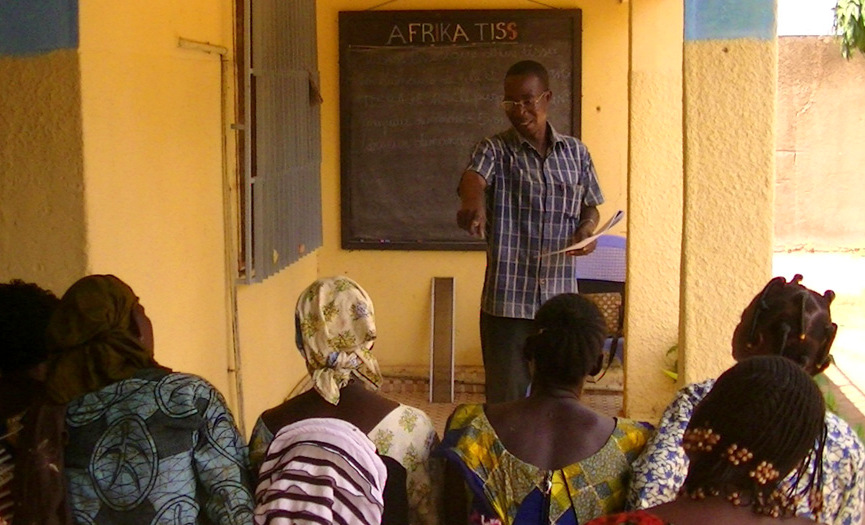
pixel 42 219
pixel 654 203
pixel 730 70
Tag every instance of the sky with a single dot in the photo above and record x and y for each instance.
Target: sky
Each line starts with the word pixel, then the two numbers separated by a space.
pixel 805 17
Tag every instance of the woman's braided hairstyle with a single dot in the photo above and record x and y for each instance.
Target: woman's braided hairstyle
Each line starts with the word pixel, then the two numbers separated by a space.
pixel 569 340
pixel 787 319
pixel 764 409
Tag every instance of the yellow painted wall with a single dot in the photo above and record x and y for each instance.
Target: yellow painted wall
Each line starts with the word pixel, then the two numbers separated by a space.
pixel 399 282
pixel 654 204
pixel 153 177
pixel 728 207
pixel 138 173
pixel 156 209
pixel 42 234
pixel 271 366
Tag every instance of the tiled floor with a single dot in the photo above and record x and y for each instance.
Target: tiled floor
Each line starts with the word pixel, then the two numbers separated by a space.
pixel 606 397
pixel 415 392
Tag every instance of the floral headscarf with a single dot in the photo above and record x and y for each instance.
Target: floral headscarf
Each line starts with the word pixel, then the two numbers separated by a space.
pixel 336 320
pixel 91 338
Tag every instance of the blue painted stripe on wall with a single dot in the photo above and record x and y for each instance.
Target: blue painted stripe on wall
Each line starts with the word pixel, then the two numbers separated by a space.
pixel 30 27
pixel 729 19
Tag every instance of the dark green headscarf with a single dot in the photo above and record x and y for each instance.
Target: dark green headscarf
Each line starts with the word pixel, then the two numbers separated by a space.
pixel 91 339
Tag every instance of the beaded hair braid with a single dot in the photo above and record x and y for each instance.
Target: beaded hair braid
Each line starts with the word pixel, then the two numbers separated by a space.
pixel 570 338
pixel 794 322
pixel 758 424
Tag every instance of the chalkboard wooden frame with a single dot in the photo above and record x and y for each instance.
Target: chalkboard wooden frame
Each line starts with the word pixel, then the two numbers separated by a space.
pixel 404 120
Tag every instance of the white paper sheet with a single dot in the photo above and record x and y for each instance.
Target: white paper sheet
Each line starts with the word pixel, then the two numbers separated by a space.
pixel 615 219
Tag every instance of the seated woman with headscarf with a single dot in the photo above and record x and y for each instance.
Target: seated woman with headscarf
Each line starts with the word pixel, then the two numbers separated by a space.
pixel 144 444
pixel 548 458
pixel 758 423
pixel 335 328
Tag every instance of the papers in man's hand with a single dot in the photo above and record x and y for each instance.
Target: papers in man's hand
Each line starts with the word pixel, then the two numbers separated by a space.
pixel 615 219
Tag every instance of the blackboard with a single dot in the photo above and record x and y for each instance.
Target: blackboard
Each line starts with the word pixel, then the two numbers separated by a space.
pixel 418 89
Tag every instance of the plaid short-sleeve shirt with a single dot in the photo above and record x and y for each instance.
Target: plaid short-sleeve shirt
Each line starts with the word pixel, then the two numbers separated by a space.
pixel 533 207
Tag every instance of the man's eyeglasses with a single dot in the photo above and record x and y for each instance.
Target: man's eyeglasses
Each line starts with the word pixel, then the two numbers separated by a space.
pixel 532 103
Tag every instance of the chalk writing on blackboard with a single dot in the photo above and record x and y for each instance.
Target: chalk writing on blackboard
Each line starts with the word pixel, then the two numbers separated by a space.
pixel 417 90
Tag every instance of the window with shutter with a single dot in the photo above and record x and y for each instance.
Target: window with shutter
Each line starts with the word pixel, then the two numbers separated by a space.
pixel 279 138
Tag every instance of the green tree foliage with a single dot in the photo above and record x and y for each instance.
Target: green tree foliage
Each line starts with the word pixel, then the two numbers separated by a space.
pixel 850 26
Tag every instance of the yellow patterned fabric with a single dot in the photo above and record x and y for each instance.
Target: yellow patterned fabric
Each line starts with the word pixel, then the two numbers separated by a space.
pixel 337 324
pixel 591 487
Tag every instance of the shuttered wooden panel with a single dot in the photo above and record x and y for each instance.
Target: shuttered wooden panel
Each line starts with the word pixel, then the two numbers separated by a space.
pixel 283 155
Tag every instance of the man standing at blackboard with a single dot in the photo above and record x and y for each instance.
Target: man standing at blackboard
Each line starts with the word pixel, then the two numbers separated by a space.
pixel 528 191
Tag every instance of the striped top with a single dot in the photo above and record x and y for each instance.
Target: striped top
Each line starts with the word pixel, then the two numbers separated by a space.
pixel 6 467
pixel 320 471
pixel 406 435
pixel 533 206
pixel 9 429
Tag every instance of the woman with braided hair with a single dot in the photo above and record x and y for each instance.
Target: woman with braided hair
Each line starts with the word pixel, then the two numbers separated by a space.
pixel 759 422
pixel 789 320
pixel 548 458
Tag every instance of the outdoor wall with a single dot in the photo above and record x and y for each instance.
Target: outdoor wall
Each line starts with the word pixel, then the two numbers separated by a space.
pixel 654 205
pixel 153 176
pixel 399 282
pixel 819 147
pixel 271 366
pixel 730 71
pixel 42 231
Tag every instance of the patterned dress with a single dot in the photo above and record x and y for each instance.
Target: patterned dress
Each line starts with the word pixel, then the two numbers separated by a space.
pixel 407 435
pixel 159 448
pixel 511 491
pixel 660 470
